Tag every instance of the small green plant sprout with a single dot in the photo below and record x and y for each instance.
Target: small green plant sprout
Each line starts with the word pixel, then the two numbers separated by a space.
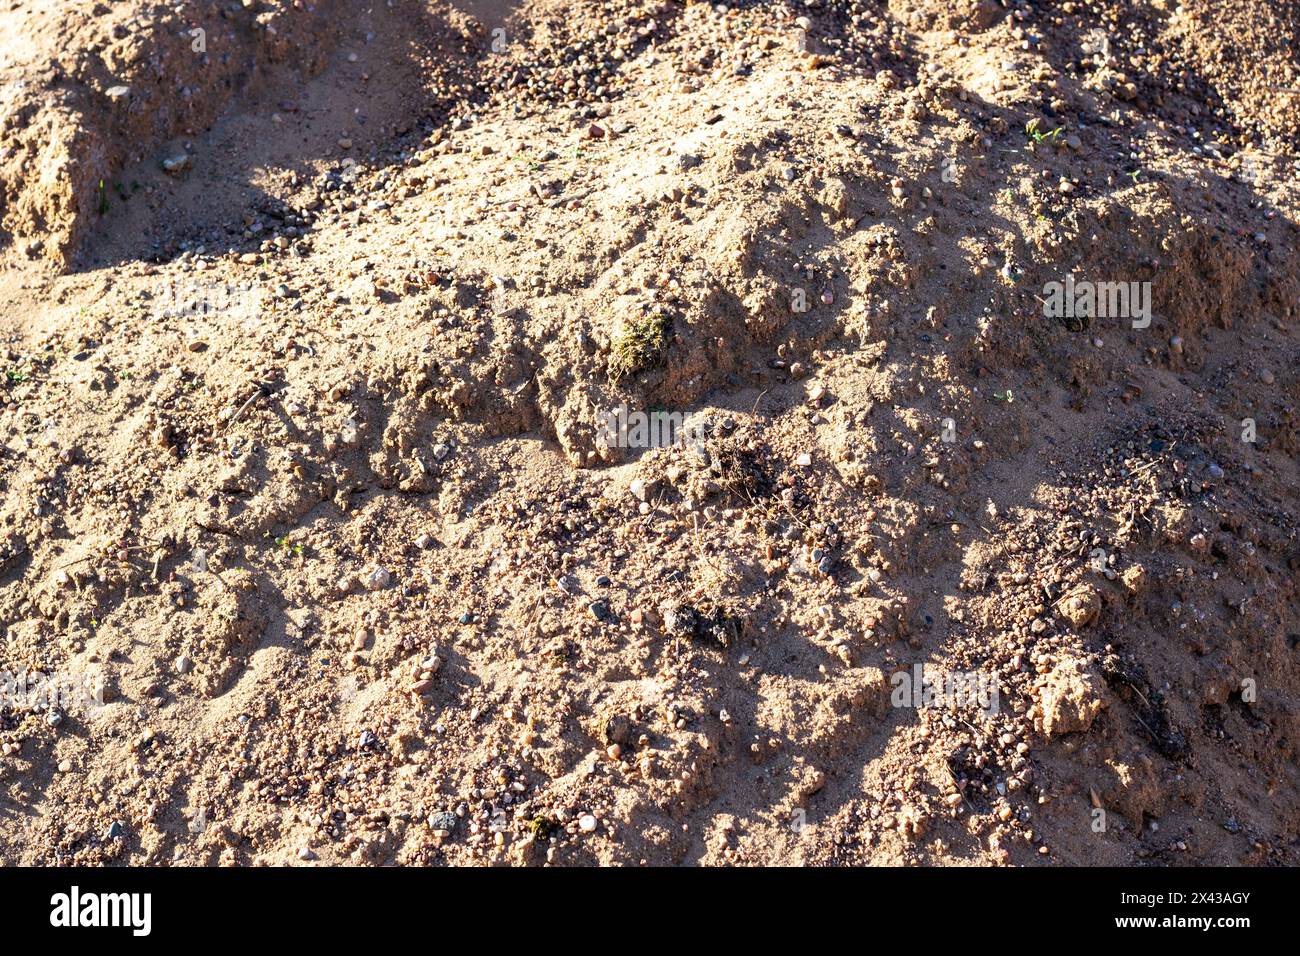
pixel 16 375
pixel 640 344
pixel 542 828
pixel 1004 396
pixel 284 542
pixel 1036 134
pixel 103 198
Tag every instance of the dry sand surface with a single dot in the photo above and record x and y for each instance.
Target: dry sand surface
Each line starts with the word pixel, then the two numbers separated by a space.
pixel 312 313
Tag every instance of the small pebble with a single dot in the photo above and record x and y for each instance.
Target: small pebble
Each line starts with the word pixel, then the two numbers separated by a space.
pixel 376 578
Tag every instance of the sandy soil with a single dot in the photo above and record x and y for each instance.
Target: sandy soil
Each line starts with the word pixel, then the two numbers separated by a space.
pixel 311 317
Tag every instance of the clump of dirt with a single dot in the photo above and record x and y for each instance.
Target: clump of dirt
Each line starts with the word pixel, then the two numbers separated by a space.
pixel 310 490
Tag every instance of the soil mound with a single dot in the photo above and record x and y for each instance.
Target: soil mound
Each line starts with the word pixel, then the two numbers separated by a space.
pixel 340 354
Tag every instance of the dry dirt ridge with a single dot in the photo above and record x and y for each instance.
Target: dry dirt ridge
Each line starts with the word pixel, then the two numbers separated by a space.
pixel 310 315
